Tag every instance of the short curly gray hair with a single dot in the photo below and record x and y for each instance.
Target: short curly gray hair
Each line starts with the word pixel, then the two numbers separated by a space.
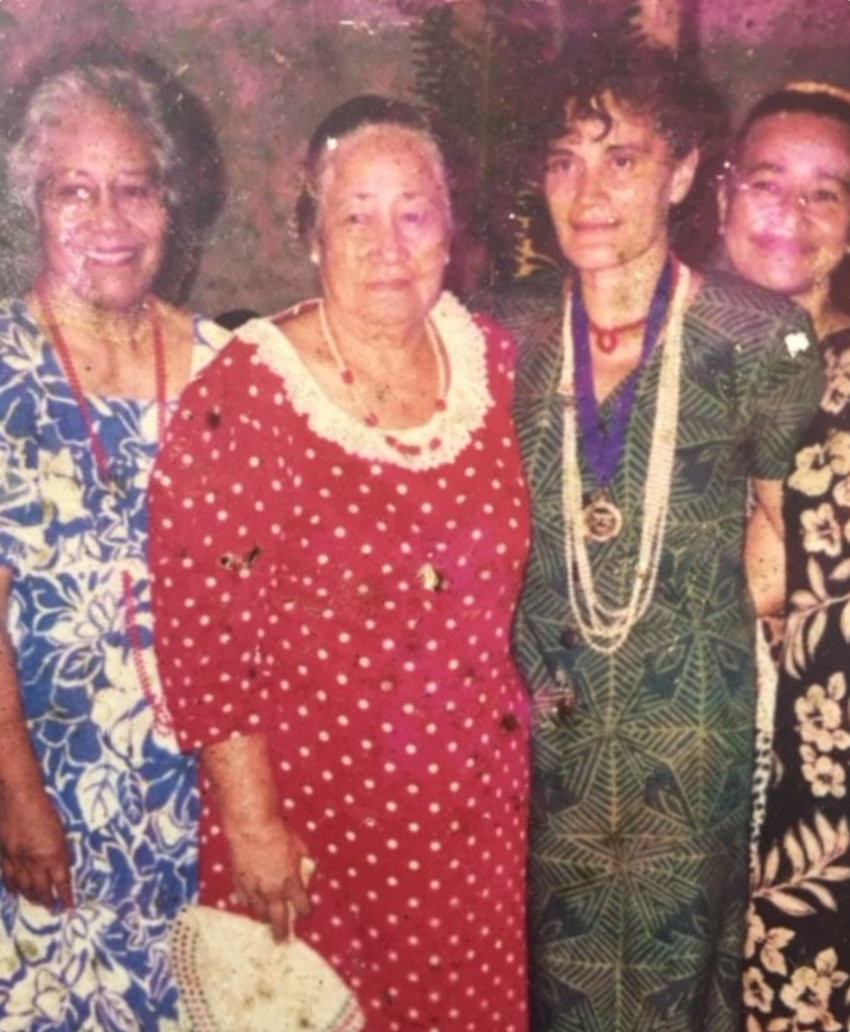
pixel 123 89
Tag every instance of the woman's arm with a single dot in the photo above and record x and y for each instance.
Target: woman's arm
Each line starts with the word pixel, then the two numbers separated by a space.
pixel 34 855
pixel 266 854
pixel 212 546
pixel 764 550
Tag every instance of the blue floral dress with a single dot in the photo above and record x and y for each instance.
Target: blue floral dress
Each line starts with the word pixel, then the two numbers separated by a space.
pixel 81 624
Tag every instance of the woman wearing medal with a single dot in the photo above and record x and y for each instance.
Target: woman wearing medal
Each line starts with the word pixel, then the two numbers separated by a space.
pixel 647 396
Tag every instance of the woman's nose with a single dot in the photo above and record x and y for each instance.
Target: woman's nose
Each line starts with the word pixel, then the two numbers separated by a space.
pixel 389 237
pixel 591 186
pixel 107 206
pixel 789 209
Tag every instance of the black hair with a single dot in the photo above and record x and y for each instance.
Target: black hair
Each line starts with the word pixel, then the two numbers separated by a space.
pixel 792 101
pixel 643 78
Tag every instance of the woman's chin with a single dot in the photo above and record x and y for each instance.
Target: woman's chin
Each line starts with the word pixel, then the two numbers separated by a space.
pixel 117 297
pixel 779 277
pixel 392 306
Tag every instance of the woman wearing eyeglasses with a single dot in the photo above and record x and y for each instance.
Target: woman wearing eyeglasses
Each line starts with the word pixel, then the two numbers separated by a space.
pixel 786 226
pixel 97 808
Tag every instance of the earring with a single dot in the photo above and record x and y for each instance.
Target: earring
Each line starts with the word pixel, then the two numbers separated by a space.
pixel 314 256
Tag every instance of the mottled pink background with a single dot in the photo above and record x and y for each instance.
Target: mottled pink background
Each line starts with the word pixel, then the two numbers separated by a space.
pixel 269 69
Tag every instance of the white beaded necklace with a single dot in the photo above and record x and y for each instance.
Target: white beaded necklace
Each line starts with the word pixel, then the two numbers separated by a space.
pixel 606 627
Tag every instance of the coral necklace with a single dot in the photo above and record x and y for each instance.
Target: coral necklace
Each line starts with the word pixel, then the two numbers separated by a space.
pixel 607 338
pixel 161 718
pixel 369 417
pixel 58 340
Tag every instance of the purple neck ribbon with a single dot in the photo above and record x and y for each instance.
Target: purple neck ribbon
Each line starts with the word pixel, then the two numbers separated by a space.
pixel 604 446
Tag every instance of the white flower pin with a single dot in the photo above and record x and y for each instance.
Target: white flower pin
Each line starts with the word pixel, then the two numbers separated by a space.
pixel 797 343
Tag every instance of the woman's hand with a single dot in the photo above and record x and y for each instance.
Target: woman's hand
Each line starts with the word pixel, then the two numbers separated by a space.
pixel 34 856
pixel 267 856
pixel 267 866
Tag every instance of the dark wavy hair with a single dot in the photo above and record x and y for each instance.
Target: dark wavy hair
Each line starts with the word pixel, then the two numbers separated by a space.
pixel 645 79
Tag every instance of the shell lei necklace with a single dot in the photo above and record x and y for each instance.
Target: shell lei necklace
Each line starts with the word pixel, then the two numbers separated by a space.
pixel 369 417
pixel 603 626
pixel 161 717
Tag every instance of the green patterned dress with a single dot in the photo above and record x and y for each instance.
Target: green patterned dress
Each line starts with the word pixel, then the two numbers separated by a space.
pixel 641 792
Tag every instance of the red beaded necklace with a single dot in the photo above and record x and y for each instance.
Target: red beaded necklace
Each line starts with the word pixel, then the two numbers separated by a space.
pixel 369 417
pixel 161 718
pixel 57 338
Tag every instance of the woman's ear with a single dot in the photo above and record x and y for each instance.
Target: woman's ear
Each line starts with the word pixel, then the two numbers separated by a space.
pixel 683 176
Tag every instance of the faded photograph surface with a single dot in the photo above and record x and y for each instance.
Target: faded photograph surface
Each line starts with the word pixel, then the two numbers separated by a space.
pixel 424 515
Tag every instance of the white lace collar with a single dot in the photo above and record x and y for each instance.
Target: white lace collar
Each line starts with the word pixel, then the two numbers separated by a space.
pixel 467 402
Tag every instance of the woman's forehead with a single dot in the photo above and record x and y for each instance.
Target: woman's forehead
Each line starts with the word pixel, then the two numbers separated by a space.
pixel 608 120
pixel 95 130
pixel 788 136
pixel 383 138
pixel 383 146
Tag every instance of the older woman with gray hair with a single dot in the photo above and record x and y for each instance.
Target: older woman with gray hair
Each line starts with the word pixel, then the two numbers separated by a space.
pixel 97 808
pixel 333 625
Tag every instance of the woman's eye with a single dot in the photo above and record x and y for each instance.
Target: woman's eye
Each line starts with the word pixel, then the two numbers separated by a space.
pixel 355 218
pixel 558 163
pixel 768 186
pixel 824 197
pixel 623 162
pixel 72 193
pixel 138 193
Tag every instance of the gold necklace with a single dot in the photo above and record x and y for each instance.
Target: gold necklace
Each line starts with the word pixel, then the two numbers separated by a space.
pixel 603 626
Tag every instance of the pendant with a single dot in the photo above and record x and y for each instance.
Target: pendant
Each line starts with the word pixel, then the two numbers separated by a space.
pixel 603 521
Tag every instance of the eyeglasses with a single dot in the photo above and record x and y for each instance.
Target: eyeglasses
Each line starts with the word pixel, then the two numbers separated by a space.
pixel 820 201
pixel 74 194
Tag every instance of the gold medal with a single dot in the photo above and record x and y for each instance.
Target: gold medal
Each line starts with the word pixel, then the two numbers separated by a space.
pixel 603 521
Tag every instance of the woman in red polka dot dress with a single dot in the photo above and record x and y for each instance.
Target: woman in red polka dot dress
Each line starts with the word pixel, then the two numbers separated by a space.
pixel 339 529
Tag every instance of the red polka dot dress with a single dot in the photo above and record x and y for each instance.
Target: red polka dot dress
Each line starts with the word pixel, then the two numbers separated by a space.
pixel 351 598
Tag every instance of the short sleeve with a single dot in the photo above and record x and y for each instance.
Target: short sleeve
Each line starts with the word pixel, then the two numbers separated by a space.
pixel 781 380
pixel 212 556
pixel 22 514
